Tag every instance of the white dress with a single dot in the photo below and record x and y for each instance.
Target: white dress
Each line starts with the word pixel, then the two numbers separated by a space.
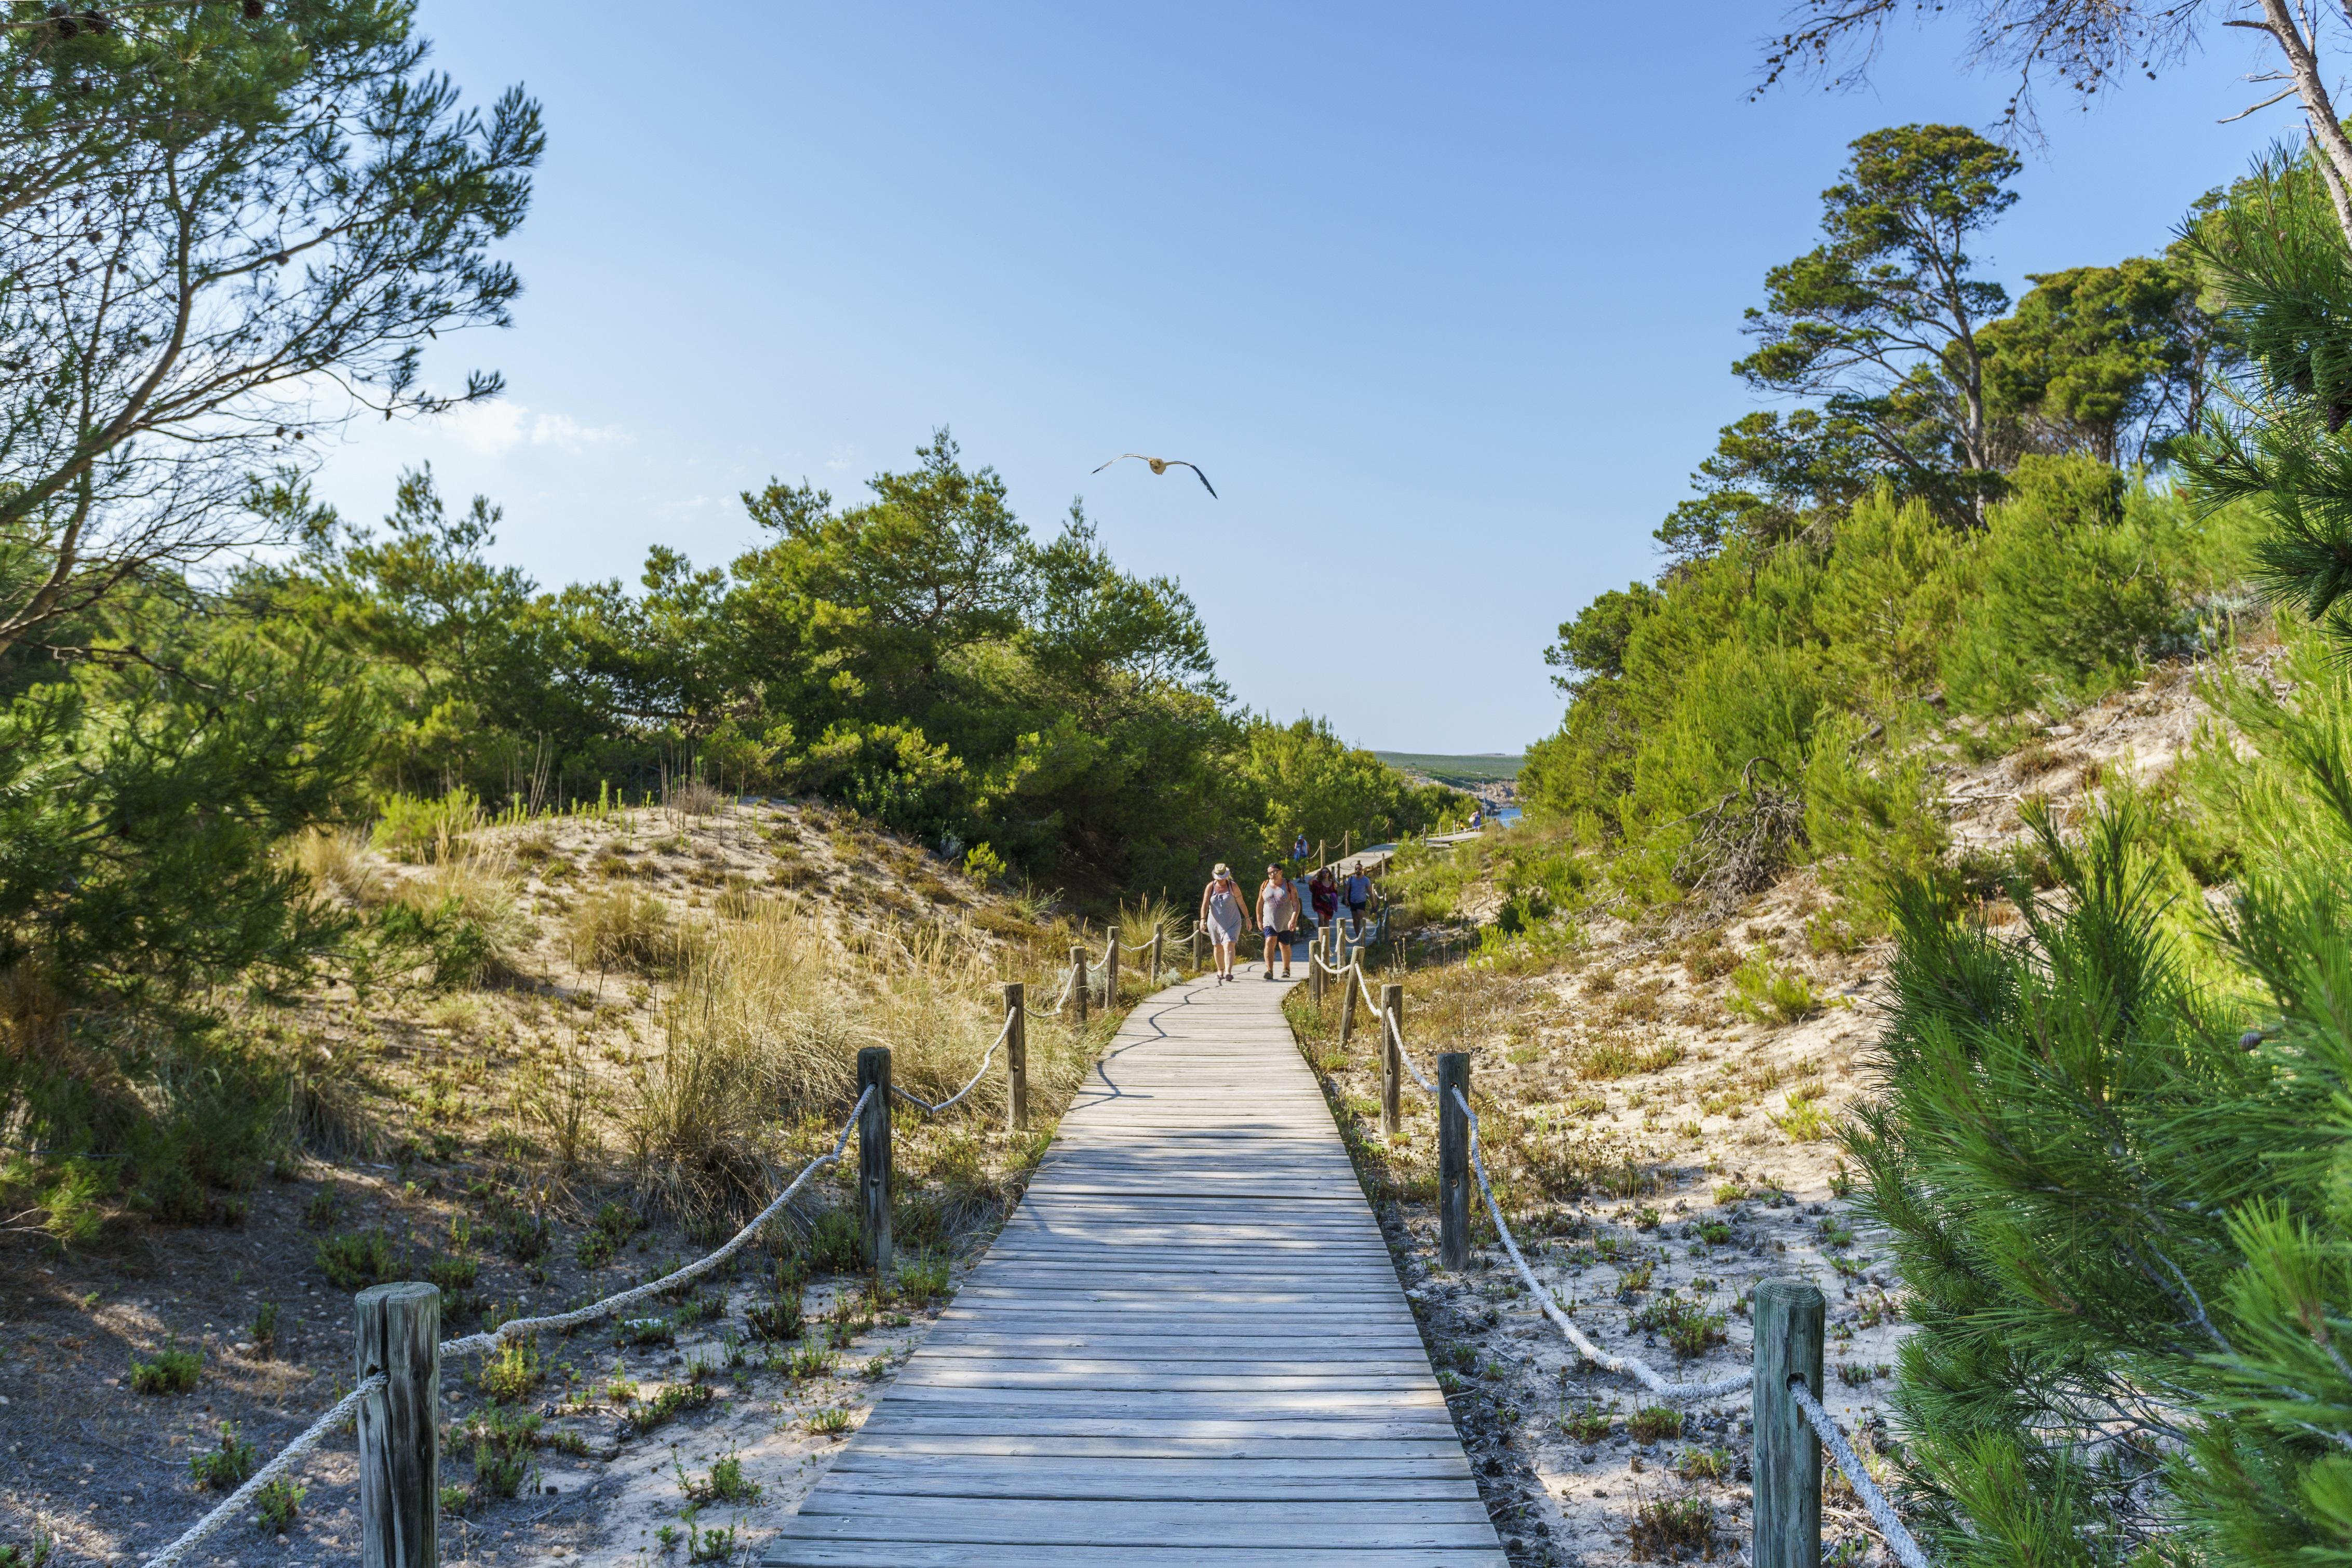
pixel 1224 917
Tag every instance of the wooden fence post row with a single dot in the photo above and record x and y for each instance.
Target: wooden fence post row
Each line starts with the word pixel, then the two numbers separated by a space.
pixel 1453 1160
pixel 874 1156
pixel 1788 1457
pixel 398 1329
pixel 1016 1055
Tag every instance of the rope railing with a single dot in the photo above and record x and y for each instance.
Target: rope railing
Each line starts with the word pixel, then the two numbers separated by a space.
pixel 555 1321
pixel 197 1533
pixel 1898 1538
pixel 913 1099
pixel 1881 1513
pixel 1623 1365
pixel 286 1457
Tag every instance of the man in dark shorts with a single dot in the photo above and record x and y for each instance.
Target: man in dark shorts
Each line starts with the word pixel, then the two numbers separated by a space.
pixel 1357 892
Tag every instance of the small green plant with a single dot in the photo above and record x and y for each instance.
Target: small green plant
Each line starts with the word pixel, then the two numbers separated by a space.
pixel 454 1274
pixel 829 1422
pixel 1769 993
pixel 355 1259
pixel 878 1368
pixel 1586 1423
pixel 1854 1374
pixel 923 1280
pixel 595 1249
pixel 35 1555
pixel 1835 1232
pixel 325 1208
pixel 1714 1232
pixel 1667 1528
pixel 510 1373
pixel 503 1441
pixel 454 1498
pixel 1637 1276
pixel 1703 1464
pixel 224 1469
pixel 668 1536
pixel 1687 1327
pixel 779 1318
pixel 172 1371
pixel 1841 1181
pixel 725 1483
pixel 645 1331
pixel 1654 1424
pixel 1646 1218
pixel 1804 1121
pixel 622 1388
pixel 811 1361
pixel 674 1400
pixel 278 1501
pixel 265 1328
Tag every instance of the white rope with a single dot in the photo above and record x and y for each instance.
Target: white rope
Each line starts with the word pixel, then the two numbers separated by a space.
pixel 1881 1513
pixel 671 1281
pixel 1624 1366
pixel 1069 983
pixel 177 1553
pixel 935 1109
pixel 1406 1057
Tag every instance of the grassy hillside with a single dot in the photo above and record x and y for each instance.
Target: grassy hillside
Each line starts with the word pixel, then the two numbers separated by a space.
pixel 1462 772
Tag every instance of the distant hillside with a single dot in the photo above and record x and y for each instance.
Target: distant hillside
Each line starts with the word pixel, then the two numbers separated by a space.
pixel 1465 772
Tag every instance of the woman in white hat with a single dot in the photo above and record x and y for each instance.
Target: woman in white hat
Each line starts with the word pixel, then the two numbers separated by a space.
pixel 1224 913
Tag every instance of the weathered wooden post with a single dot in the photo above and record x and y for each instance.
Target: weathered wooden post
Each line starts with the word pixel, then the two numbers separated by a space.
pixel 1453 1159
pixel 399 1332
pixel 1347 988
pixel 1158 934
pixel 1315 974
pixel 1078 984
pixel 1016 1055
pixel 874 1156
pixel 1110 973
pixel 1391 1060
pixel 1199 949
pixel 1787 1463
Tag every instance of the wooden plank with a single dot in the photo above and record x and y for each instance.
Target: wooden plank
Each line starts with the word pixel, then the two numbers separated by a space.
pixel 1187 1347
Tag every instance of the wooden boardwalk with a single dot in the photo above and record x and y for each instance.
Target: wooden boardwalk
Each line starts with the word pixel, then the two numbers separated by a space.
pixel 1188 1346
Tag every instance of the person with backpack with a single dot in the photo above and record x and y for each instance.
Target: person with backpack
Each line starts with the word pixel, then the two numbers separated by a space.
pixel 1224 910
pixel 1278 914
pixel 1357 891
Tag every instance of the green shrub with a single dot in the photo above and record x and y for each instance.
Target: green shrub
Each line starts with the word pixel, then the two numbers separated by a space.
pixel 511 1372
pixel 413 827
pixel 225 1468
pixel 170 1372
pixel 355 1259
pixel 278 1502
pixel 1770 993
pixel 923 1280
pixel 1655 1423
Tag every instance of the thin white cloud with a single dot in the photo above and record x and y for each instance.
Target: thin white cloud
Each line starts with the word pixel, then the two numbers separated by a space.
pixel 496 428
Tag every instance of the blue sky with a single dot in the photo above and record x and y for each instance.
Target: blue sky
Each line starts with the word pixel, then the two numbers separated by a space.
pixel 1442 298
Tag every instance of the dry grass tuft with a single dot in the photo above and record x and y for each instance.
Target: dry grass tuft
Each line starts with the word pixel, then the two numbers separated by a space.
pixel 620 928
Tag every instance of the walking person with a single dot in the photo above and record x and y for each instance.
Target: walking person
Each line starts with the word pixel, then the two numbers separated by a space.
pixel 1278 914
pixel 1298 850
pixel 1224 910
pixel 1323 896
pixel 1357 891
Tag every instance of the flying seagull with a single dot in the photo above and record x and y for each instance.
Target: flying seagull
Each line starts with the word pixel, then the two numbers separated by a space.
pixel 1161 466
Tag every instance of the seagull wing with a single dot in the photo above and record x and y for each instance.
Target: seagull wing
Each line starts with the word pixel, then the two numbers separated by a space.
pixel 1123 456
pixel 1203 479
